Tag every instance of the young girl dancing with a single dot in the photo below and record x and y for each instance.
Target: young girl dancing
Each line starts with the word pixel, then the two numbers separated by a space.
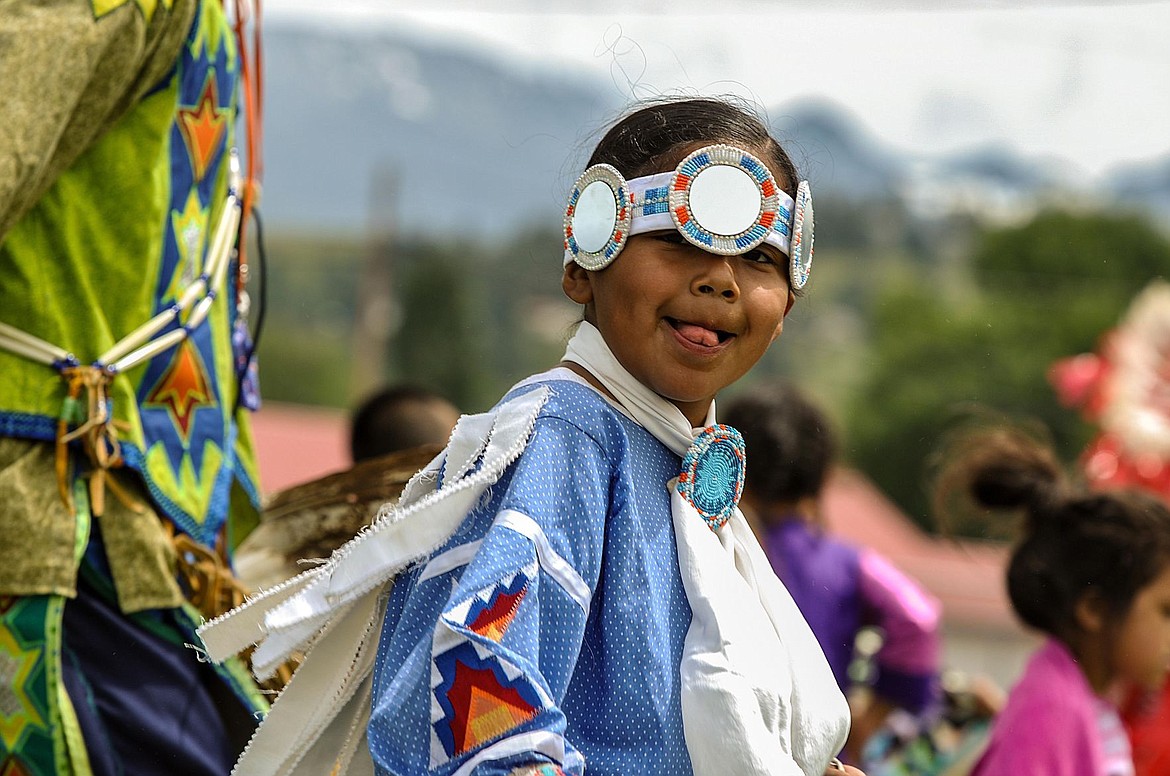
pixel 575 589
pixel 1092 573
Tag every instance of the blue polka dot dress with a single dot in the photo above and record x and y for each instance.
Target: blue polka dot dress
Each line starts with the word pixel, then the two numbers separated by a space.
pixel 549 628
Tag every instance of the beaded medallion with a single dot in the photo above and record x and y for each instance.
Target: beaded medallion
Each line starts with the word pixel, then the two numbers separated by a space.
pixel 611 215
pixel 801 251
pixel 756 227
pixel 712 474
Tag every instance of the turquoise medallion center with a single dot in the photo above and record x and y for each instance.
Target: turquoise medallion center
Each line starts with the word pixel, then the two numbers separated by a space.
pixel 712 474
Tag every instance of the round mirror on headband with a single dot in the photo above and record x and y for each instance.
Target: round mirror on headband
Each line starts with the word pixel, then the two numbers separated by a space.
pixel 801 252
pixel 723 200
pixel 718 197
pixel 597 219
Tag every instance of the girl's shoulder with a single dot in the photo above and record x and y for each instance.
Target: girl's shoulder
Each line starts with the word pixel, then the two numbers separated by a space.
pixel 576 422
pixel 1049 724
pixel 572 400
pixel 1052 688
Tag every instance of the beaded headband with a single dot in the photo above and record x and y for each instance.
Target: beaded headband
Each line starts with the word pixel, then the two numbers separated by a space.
pixel 719 198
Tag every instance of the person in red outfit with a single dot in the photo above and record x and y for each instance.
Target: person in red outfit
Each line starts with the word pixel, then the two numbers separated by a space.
pixel 1124 388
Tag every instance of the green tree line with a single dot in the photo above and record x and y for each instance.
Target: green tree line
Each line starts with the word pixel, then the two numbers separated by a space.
pixel 941 356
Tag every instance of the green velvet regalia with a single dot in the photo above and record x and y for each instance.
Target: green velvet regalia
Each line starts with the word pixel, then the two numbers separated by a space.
pixel 119 116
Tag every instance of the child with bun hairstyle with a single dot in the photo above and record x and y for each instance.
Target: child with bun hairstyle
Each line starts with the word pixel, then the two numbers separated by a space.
pixel 570 587
pixel 1092 573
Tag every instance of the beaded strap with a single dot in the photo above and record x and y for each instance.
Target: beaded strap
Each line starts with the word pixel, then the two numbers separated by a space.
pixel 92 420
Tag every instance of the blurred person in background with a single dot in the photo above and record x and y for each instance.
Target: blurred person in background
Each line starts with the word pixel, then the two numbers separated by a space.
pixel 394 433
pixel 1091 572
pixel 839 588
pixel 1123 390
pixel 400 417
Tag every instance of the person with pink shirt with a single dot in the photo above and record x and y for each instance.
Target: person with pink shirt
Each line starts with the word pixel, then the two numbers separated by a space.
pixel 1092 573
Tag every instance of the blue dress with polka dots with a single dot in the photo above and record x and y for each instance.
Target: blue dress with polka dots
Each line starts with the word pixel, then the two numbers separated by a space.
pixel 550 626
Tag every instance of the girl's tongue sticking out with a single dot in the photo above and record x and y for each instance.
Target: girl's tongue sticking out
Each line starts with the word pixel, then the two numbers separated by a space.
pixel 696 334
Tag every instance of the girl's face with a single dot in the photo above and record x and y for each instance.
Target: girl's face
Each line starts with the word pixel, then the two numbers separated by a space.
pixel 684 322
pixel 1141 651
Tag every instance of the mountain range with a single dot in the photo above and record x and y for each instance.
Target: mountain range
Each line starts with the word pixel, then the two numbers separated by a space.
pixel 376 130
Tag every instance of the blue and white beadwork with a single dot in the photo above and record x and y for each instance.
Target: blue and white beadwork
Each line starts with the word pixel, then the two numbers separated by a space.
pixel 767 215
pixel 801 251
pixel 619 215
pixel 712 474
pixel 654 201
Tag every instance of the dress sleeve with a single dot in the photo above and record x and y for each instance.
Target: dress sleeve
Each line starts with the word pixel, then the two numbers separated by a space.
pixel 494 671
pixel 908 662
pixel 70 70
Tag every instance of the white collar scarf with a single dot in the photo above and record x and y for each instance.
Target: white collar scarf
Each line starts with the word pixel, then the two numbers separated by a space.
pixel 754 701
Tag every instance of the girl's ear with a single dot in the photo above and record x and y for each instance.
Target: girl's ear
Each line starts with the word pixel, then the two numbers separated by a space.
pixel 791 301
pixel 577 284
pixel 1090 612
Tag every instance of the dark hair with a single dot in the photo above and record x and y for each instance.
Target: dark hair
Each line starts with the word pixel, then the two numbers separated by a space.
pixel 790 443
pixel 399 418
pixel 651 139
pixel 1108 543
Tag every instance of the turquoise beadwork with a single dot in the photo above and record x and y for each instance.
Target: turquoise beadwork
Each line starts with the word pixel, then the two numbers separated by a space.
pixel 712 474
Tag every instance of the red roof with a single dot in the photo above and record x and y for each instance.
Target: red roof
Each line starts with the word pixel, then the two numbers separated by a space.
pixel 297 443
pixel 968 577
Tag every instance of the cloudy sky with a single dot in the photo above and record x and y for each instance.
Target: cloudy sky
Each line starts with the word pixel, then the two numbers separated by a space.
pixel 1086 83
